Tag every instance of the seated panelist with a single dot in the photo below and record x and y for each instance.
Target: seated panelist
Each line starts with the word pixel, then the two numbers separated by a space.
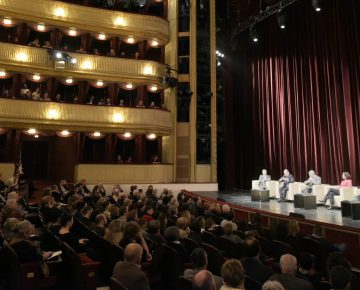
pixel 284 184
pixel 346 182
pixel 312 180
pixel 263 178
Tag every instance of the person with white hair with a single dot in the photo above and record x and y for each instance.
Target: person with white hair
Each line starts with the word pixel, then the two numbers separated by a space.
pixel 272 285
pixel 310 182
pixel 287 278
pixel 285 181
pixel 263 178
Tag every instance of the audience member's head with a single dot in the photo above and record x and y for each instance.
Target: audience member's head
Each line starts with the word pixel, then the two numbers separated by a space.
pixel 131 231
pixel 9 228
pixel 204 280
pixel 182 223
pixel 172 234
pixel 340 278
pixel 288 264
pixel 66 220
pixel 252 247
pixel 228 228
pixel 133 253
pixel 101 220
pixel 293 228
pixel 199 258
pixel 153 227
pixel 306 261
pixel 23 230
pixel 225 208
pixel 272 285
pixel 114 232
pixel 232 273
pixel 13 195
pixel 337 259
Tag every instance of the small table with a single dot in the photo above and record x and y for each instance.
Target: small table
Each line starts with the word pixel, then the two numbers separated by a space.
pixel 260 195
pixel 350 208
pixel 305 201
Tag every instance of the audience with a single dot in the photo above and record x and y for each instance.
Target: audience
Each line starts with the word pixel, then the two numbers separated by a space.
pixel 232 273
pixel 203 280
pixel 272 285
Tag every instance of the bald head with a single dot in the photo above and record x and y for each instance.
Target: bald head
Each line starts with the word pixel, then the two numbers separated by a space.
pixel 133 253
pixel 203 280
pixel 288 264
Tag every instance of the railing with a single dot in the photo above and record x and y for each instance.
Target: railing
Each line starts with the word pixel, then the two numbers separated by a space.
pixel 38 60
pixel 88 19
pixel 73 117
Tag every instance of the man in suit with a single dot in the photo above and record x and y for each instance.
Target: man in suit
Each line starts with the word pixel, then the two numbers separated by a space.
pixel 287 278
pixel 129 272
pixel 252 264
pixel 285 181
pixel 310 182
pixel 263 178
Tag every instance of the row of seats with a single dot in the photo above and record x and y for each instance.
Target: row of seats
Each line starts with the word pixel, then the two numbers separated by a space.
pixel 346 193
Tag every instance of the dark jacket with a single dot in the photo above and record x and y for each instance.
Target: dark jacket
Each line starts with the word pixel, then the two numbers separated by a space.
pixel 131 276
pixel 255 269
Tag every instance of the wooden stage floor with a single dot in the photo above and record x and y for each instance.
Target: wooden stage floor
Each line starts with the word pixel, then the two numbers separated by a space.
pixel 321 214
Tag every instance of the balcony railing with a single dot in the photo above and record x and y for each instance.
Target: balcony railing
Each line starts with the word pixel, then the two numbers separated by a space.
pixel 38 60
pixel 83 118
pixel 89 19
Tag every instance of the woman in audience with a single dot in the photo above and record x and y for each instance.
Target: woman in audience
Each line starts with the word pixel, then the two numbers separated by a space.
pixel 114 232
pixel 66 222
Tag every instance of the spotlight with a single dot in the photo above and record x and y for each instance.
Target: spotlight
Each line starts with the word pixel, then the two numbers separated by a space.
pixel 36 77
pixel 130 40
pixel 153 88
pixel 281 19
pixel 69 81
pixel 99 83
pixel 2 74
pixel 72 32
pixel 96 134
pixel 73 61
pixel 58 55
pixel 253 34
pixel 127 135
pixel 102 36
pixel 65 133
pixel 32 131
pixel 129 86
pixel 36 136
pixel 154 43
pixel 316 5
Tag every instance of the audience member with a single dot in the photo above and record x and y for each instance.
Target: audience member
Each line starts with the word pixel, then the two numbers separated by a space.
pixel 35 43
pixel 203 280
pixel 288 267
pixel 232 273
pixel 229 233
pixel 340 278
pixel 129 272
pixel 272 285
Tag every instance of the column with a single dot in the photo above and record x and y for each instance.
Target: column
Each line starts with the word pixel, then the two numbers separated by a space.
pixel 140 149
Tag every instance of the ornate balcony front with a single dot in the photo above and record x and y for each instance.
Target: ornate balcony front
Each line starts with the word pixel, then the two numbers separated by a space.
pixel 88 19
pixel 38 60
pixel 83 118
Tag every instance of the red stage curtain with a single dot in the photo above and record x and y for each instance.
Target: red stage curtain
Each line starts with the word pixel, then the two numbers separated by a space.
pixel 298 95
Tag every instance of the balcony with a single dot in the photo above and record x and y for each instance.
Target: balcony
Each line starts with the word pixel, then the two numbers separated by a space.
pixel 83 118
pixel 38 60
pixel 88 19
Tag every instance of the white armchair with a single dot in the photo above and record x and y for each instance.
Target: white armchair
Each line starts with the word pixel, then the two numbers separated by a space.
pixel 294 188
pixel 346 193
pixel 320 191
pixel 272 186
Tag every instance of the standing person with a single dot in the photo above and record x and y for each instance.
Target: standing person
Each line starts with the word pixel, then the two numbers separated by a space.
pixel 263 178
pixel 310 182
pixel 346 182
pixel 284 188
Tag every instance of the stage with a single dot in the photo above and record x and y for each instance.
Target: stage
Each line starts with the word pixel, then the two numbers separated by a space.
pixel 321 214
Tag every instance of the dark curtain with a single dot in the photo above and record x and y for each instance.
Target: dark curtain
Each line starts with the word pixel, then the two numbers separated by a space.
pixel 297 103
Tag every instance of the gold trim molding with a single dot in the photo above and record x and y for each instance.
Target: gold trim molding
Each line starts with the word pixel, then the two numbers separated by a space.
pixel 20 58
pixel 59 116
pixel 87 19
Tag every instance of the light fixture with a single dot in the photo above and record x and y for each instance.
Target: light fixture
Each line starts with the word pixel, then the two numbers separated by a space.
pixel 41 27
pixel 31 131
pixel 58 55
pixel 102 36
pixel 130 39
pixel 99 83
pixel 87 64
pixel 59 12
pixel 127 135
pixel 119 21
pixel 118 118
pixel 7 21
pixel 96 134
pixel 129 86
pixel 73 60
pixel 2 73
pixel 253 34
pixel 21 56
pixel 36 136
pixel 316 5
pixel 154 43
pixel 148 70
pixel 53 114
pixel 153 88
pixel 65 133
pixel 72 32
pixel 69 80
pixel 281 19
pixel 151 136
pixel 36 77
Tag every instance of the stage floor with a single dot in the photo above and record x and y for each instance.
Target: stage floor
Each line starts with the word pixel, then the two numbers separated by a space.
pixel 321 214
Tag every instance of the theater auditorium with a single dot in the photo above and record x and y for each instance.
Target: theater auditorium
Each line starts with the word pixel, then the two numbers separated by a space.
pixel 179 144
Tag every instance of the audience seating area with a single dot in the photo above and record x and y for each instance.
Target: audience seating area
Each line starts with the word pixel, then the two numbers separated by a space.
pixel 168 227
